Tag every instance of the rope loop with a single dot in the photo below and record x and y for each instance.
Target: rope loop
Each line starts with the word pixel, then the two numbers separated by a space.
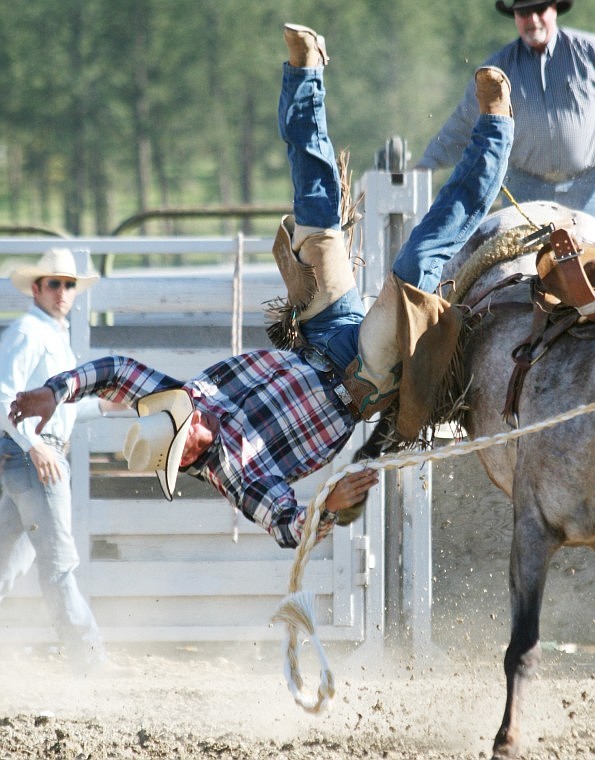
pixel 297 612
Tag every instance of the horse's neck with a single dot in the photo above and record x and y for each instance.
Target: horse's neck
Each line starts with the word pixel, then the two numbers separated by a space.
pixel 534 214
pixel 524 265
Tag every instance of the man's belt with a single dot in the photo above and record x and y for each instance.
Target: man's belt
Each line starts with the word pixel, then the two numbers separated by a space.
pixel 325 367
pixel 553 177
pixel 51 440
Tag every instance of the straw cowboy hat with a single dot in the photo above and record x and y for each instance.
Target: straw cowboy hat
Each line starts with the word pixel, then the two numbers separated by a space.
pixel 57 262
pixel 518 5
pixel 156 442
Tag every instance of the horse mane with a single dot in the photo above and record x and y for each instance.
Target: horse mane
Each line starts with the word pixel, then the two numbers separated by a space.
pixel 503 247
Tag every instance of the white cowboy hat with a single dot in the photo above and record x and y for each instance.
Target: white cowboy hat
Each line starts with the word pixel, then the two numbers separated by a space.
pixel 57 262
pixel 156 441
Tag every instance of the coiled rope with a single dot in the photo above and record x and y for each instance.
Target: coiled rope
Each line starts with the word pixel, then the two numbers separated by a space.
pixel 297 609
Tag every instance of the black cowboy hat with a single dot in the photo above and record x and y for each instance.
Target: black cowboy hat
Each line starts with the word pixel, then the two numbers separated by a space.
pixel 518 5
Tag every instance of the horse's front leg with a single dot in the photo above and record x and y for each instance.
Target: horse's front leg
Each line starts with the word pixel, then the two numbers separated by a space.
pixel 531 551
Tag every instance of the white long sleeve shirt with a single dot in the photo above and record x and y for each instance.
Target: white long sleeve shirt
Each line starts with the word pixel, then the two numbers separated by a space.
pixel 32 349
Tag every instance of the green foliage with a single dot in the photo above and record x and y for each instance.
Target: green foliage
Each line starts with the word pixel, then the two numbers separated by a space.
pixel 113 106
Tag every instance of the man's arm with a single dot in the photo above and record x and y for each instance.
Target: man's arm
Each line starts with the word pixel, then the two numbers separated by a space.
pixel 445 149
pixel 272 504
pixel 20 353
pixel 43 456
pixel 119 379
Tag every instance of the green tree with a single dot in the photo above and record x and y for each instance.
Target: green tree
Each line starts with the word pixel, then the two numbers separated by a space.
pixel 114 106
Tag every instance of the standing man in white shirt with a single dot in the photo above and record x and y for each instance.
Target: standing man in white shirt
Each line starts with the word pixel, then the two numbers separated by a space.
pixel 35 508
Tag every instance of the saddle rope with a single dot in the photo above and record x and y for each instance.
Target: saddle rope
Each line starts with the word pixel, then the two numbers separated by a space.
pixel 517 205
pixel 297 609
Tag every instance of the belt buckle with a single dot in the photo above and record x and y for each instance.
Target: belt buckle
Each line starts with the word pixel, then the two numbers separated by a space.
pixel 347 400
pixel 316 359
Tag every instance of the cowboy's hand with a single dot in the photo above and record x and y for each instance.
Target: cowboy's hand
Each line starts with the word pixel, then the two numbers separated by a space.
pixel 351 490
pixel 45 462
pixel 39 402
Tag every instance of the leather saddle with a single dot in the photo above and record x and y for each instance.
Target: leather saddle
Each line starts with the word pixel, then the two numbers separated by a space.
pixel 567 272
pixel 563 297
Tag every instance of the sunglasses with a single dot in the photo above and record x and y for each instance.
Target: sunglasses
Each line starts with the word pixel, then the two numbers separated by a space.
pixel 56 284
pixel 538 9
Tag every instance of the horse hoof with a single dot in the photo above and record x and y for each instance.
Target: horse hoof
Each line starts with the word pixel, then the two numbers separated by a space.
pixel 505 752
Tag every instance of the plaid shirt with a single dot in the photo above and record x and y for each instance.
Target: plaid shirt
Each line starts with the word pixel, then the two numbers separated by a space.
pixel 278 422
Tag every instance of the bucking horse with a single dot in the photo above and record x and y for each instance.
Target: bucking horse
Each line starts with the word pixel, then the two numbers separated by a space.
pixel 527 358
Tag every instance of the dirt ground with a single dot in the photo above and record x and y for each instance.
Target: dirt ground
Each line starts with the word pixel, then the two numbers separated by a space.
pixel 231 701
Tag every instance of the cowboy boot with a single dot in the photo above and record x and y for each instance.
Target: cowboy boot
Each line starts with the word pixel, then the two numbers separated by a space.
pixel 314 264
pixel 307 49
pixel 492 90
pixel 372 378
pixel 325 252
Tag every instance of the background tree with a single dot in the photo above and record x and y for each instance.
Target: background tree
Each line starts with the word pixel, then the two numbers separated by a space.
pixel 111 107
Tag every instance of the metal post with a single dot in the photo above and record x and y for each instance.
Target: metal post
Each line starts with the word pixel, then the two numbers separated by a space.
pixel 394 204
pixel 416 509
pixel 80 339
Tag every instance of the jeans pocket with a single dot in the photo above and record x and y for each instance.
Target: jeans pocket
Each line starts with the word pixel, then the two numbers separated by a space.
pixel 17 473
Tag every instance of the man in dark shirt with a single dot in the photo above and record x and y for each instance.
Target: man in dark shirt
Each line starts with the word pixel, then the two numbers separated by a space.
pixel 552 72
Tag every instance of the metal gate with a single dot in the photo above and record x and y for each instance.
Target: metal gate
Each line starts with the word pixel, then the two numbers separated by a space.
pixel 193 569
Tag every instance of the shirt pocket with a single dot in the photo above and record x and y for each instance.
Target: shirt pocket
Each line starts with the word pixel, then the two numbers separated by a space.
pixel 52 361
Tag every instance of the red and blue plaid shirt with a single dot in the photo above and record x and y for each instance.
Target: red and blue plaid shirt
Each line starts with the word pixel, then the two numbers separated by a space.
pixel 278 422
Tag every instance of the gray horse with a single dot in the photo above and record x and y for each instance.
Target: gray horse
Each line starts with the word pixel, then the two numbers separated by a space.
pixel 548 475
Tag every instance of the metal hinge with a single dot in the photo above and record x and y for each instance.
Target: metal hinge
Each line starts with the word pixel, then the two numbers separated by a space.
pixel 367 560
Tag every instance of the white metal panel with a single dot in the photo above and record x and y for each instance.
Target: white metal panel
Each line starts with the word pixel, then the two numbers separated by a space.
pixel 192 569
pixel 394 204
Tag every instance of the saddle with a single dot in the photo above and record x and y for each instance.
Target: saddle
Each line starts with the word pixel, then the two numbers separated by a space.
pixel 563 297
pixel 567 272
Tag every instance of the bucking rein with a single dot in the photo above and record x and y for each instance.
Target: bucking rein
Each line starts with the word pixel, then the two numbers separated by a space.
pixel 562 278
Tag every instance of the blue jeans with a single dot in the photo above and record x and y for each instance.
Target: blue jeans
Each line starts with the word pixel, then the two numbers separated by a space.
pixel 577 193
pixel 455 214
pixel 35 523
pixel 312 163
pixel 460 206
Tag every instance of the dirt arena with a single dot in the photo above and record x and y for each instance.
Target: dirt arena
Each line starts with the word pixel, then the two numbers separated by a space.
pixel 189 705
pixel 231 701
